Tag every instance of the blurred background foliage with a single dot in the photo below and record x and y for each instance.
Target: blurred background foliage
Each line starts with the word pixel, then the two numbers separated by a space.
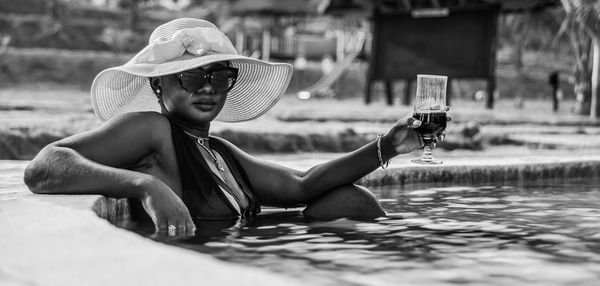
pixel 32 23
pixel 34 35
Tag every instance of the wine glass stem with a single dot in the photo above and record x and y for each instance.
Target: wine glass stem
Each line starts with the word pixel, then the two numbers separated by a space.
pixel 427 153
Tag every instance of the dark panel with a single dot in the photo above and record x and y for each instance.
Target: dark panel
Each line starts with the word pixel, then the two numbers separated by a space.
pixel 460 45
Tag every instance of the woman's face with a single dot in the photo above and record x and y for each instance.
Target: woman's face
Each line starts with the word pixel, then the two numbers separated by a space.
pixel 188 96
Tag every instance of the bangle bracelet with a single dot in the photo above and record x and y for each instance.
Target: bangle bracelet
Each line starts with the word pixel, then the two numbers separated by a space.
pixel 379 152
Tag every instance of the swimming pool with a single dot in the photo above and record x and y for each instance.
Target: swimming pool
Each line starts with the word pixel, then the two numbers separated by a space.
pixel 537 233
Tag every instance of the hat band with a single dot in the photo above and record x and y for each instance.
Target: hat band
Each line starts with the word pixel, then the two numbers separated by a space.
pixel 196 41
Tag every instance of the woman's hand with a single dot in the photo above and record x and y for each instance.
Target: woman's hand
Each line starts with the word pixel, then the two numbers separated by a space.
pixel 403 137
pixel 166 208
pixel 442 135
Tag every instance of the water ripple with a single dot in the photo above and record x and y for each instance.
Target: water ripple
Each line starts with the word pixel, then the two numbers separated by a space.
pixel 475 235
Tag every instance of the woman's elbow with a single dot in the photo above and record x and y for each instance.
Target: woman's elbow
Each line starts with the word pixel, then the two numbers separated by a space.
pixel 37 172
pixel 33 178
pixel 302 193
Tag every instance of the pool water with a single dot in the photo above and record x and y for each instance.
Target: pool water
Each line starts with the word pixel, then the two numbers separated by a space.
pixel 544 233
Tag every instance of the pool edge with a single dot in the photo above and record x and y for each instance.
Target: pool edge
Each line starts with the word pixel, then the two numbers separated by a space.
pixel 484 173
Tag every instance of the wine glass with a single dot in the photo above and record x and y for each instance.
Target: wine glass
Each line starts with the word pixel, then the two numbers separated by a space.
pixel 430 109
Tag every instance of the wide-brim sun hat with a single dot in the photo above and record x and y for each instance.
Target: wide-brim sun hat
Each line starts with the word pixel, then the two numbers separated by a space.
pixel 184 44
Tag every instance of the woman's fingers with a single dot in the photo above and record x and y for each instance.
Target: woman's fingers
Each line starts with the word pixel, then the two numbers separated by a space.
pixel 181 226
pixel 408 121
pixel 161 225
pixel 190 226
pixel 448 118
pixel 441 137
pixel 177 226
pixel 413 123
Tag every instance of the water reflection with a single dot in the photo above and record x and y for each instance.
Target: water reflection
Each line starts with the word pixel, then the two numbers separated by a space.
pixel 535 234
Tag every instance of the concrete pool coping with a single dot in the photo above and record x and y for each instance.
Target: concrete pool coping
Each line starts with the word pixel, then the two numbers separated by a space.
pixel 487 171
pixel 61 240
pixel 68 240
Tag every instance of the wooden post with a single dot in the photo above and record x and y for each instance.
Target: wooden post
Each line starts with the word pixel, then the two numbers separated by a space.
pixel 373 59
pixel 340 86
pixel 368 90
pixel 493 38
pixel 266 44
pixel 491 88
pixel 448 91
pixel 389 91
pixel 407 92
pixel 595 104
pixel 554 80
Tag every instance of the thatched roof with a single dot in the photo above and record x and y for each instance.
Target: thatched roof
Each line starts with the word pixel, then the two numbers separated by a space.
pixel 341 7
pixel 365 6
pixel 278 7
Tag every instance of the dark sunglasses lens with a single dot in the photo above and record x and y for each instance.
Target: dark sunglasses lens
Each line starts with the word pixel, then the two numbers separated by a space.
pixel 223 80
pixel 220 79
pixel 192 82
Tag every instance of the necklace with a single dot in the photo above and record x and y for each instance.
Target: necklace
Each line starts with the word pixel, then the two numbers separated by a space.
pixel 200 141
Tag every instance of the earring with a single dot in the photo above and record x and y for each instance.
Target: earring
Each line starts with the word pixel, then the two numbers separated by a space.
pixel 158 90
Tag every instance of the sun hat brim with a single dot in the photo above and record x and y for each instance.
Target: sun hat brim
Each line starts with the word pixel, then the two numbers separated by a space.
pixel 126 88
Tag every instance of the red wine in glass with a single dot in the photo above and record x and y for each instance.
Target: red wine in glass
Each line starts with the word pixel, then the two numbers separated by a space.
pixel 430 109
pixel 432 123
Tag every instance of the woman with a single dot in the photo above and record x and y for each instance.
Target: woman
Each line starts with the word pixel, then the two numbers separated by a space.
pixel 155 145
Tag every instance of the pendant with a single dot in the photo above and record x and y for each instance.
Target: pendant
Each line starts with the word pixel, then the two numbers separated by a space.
pixel 219 166
pixel 200 141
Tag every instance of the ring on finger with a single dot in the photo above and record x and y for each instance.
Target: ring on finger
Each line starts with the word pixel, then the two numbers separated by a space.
pixel 172 228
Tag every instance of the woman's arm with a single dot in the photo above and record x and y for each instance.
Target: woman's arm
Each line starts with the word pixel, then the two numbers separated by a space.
pixel 92 162
pixel 280 186
pixel 95 162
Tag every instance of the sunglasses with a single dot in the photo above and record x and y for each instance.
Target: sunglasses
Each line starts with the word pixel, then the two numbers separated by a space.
pixel 222 79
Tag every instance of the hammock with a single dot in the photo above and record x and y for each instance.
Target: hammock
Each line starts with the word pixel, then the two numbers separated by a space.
pixel 355 46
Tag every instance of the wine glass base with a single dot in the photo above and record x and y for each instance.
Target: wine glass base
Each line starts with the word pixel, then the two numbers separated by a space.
pixel 429 161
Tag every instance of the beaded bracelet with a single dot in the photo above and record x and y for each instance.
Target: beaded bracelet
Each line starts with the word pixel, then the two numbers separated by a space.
pixel 379 152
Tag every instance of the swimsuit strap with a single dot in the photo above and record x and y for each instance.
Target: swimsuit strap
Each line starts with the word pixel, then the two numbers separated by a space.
pixel 238 173
pixel 197 179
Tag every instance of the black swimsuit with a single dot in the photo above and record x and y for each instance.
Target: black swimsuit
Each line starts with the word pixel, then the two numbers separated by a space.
pixel 202 190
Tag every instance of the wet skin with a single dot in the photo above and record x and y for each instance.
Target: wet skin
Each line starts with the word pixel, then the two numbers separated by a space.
pixel 132 156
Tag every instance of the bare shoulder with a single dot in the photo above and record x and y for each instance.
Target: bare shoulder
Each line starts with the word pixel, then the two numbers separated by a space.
pixel 122 140
pixel 145 126
pixel 144 120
